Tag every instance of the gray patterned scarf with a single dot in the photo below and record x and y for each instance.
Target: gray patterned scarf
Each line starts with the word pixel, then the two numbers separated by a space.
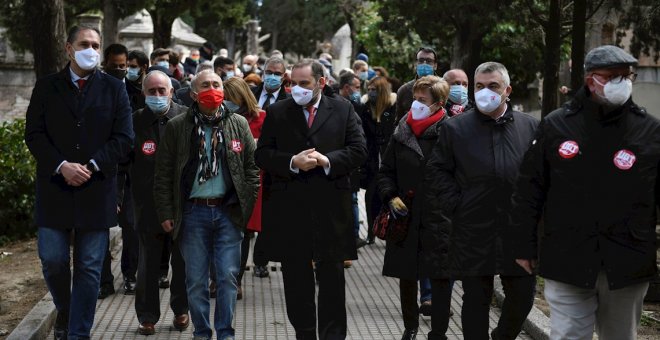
pixel 208 167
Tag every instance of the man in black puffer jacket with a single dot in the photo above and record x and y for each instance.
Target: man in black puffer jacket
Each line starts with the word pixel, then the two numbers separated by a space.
pixel 592 171
pixel 470 178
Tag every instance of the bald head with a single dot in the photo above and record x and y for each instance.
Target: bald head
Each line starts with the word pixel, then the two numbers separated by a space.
pixel 156 82
pixel 456 77
pixel 205 80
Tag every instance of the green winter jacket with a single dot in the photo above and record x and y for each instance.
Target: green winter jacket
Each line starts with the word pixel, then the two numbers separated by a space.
pixel 177 162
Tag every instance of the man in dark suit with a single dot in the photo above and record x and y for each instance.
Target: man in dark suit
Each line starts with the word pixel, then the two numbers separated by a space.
pixel 271 89
pixel 309 144
pixel 78 127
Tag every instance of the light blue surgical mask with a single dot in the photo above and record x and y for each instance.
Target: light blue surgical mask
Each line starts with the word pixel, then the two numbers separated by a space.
pixel 229 74
pixel 231 106
pixel 458 94
pixel 272 82
pixel 424 70
pixel 164 63
pixel 355 97
pixel 157 104
pixel 133 73
pixel 364 75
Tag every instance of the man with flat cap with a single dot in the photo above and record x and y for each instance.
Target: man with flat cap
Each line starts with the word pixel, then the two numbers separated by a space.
pixel 591 172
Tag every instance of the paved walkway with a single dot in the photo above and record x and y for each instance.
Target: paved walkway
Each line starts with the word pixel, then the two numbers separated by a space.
pixel 372 303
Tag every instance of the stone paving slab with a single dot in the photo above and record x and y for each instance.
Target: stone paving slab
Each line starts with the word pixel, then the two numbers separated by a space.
pixel 372 303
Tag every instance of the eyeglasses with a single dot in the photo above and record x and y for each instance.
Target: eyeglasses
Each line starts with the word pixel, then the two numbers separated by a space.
pixel 617 78
pixel 279 74
pixel 425 61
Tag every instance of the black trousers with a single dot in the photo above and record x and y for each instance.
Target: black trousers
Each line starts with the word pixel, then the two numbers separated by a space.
pixel 147 294
pixel 441 292
pixel 478 293
pixel 130 246
pixel 372 205
pixel 299 291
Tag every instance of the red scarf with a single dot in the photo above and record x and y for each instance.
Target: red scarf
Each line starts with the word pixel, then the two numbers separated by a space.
pixel 419 126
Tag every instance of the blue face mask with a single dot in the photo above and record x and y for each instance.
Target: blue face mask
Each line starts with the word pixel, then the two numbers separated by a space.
pixel 458 94
pixel 164 63
pixel 272 82
pixel 424 70
pixel 355 97
pixel 230 74
pixel 364 75
pixel 231 106
pixel 157 104
pixel 133 73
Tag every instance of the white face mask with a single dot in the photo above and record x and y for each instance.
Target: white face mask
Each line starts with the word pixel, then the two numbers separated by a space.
pixel 419 110
pixel 616 93
pixel 87 59
pixel 487 100
pixel 301 95
pixel 247 67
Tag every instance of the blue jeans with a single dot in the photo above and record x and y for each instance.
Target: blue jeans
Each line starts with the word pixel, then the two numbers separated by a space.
pixel 208 233
pixel 79 299
pixel 356 215
pixel 424 290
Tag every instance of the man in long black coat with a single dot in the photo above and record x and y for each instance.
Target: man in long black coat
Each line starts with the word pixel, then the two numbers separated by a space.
pixel 470 179
pixel 78 127
pixel 309 144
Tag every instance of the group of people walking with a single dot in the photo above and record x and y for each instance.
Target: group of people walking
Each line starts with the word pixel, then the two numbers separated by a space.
pixel 207 158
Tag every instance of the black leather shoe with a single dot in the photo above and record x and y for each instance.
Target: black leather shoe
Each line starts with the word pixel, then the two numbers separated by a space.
pixel 370 240
pixel 60 330
pixel 359 243
pixel 426 308
pixel 164 282
pixel 129 286
pixel 60 334
pixel 409 334
pixel 261 271
pixel 106 290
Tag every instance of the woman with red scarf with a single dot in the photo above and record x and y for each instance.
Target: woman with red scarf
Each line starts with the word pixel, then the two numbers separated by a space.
pixel 239 99
pixel 400 180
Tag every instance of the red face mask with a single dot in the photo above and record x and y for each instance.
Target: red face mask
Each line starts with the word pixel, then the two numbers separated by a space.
pixel 211 98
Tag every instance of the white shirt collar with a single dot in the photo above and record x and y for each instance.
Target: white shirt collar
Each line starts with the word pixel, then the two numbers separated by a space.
pixel 75 77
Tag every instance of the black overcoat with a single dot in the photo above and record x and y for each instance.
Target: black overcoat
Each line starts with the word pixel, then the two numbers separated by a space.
pixel 470 178
pixel 309 214
pixel 63 123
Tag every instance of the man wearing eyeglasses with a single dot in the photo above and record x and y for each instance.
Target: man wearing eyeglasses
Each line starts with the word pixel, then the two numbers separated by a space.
pixel 592 171
pixel 425 65
pixel 270 89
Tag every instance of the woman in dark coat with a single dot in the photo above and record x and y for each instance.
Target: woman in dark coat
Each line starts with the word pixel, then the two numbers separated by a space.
pixel 378 122
pixel 401 174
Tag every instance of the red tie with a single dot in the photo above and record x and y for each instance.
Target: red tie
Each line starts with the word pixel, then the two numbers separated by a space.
pixel 312 113
pixel 81 83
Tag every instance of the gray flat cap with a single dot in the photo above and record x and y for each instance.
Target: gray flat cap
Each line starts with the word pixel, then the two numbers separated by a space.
pixel 608 56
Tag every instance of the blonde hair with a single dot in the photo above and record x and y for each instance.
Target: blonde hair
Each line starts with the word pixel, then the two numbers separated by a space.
pixel 238 92
pixel 383 89
pixel 438 87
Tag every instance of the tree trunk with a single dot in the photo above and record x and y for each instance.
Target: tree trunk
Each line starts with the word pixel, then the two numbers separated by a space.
pixel 577 44
pixel 466 49
pixel 162 29
pixel 551 59
pixel 231 42
pixel 273 39
pixel 109 23
pixel 49 35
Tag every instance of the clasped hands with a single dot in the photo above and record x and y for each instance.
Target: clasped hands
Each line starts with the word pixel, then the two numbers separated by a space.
pixel 309 159
pixel 75 174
